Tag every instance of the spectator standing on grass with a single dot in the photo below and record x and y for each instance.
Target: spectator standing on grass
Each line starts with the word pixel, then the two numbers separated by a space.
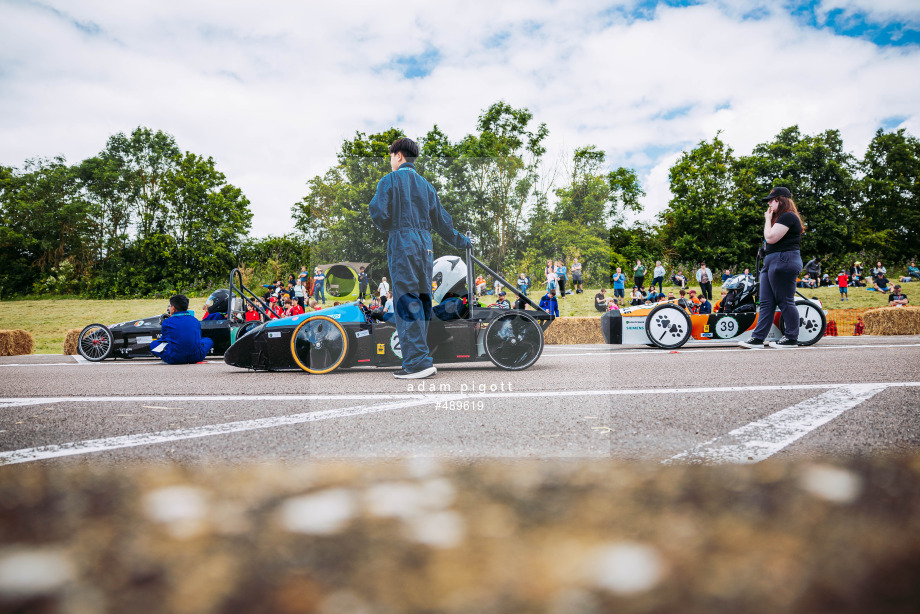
pixel 913 271
pixel 362 284
pixel 576 277
pixel 897 298
pixel 842 283
pixel 549 304
pixel 319 282
pixel 704 276
pixel 299 292
pixel 782 232
pixel 303 274
pixel 619 284
pixel 550 276
pixel 561 277
pixel 658 275
pixel 384 289
pixel 639 275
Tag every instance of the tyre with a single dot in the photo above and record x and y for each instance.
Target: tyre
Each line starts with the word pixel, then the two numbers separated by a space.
pixel 95 342
pixel 812 322
pixel 319 345
pixel 514 341
pixel 668 326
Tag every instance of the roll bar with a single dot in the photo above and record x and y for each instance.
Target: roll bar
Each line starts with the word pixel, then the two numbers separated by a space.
pixel 241 290
pixel 471 288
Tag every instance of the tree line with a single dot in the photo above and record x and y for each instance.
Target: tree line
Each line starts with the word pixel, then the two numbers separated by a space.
pixel 143 218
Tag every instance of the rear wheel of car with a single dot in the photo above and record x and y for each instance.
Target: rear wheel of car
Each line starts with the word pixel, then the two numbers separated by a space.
pixel 668 326
pixel 812 322
pixel 319 345
pixel 95 342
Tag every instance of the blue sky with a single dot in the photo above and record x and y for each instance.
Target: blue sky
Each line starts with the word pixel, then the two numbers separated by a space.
pixel 270 91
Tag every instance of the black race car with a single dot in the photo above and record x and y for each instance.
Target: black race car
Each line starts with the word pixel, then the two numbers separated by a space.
pixel 350 335
pixel 132 339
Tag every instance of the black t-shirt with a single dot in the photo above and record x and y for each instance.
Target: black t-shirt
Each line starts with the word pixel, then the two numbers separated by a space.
pixel 792 240
pixel 599 298
pixel 896 297
pixel 881 283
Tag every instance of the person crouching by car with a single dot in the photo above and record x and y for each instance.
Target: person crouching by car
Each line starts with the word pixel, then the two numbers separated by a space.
pixel 549 304
pixel 180 341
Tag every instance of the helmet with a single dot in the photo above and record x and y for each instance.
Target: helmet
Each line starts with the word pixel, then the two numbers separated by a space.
pixel 217 302
pixel 447 274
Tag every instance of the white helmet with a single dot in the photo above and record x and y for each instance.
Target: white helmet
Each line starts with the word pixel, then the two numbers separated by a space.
pixel 447 273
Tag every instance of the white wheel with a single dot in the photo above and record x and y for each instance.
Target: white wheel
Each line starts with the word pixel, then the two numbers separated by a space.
pixel 668 326
pixel 812 322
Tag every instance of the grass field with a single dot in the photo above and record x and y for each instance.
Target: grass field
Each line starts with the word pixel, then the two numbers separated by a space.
pixel 49 320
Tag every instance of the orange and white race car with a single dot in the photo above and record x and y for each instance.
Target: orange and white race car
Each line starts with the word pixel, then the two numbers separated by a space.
pixel 669 325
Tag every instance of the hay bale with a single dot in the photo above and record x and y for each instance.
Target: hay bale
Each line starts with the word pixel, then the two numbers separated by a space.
pixel 892 321
pixel 70 341
pixel 574 331
pixel 16 342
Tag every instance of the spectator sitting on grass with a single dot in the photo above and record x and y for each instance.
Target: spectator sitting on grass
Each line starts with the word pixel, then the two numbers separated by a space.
pixel 726 275
pixel 896 298
pixel 600 300
pixel 549 303
pixel 913 271
pixel 680 280
pixel 881 283
pixel 636 296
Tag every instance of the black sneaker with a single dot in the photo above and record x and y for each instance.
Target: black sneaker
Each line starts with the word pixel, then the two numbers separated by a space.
pixel 403 374
pixel 751 344
pixel 784 343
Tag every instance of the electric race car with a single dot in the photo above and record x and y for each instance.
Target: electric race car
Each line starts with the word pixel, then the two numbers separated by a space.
pixel 670 325
pixel 98 342
pixel 350 335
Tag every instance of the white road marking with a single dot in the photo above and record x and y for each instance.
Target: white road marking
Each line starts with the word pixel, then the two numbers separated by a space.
pixel 433 396
pixel 710 350
pixel 80 359
pixel 130 441
pixel 763 438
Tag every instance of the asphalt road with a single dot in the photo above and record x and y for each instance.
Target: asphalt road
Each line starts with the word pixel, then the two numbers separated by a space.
pixel 705 403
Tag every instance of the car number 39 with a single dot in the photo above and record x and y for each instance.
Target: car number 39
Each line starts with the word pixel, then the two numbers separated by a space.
pixel 727 327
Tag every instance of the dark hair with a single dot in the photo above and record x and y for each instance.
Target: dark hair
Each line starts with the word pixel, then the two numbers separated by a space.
pixel 407 146
pixel 785 205
pixel 179 301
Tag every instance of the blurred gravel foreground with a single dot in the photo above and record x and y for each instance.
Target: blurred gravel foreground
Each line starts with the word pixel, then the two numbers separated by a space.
pixel 421 535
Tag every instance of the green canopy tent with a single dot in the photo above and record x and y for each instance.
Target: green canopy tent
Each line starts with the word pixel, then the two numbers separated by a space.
pixel 342 280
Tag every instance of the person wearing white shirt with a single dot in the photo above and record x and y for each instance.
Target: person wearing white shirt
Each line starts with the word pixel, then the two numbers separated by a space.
pixel 659 276
pixel 704 276
pixel 384 289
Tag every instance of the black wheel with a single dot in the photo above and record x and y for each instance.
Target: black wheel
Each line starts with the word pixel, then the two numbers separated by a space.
pixel 812 322
pixel 95 342
pixel 319 344
pixel 668 326
pixel 514 341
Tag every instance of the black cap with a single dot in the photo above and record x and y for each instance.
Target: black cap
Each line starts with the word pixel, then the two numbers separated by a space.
pixel 779 191
pixel 897 286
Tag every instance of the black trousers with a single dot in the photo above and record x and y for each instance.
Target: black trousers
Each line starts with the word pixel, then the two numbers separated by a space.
pixel 706 289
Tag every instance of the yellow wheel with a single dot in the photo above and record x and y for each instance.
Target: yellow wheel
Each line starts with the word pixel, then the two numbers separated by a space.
pixel 319 344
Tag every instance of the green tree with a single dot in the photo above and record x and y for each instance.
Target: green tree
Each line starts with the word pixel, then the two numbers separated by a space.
pixel 822 178
pixel 890 212
pixel 702 218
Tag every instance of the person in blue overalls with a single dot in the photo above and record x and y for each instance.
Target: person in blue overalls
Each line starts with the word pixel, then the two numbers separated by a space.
pixel 407 207
pixel 180 341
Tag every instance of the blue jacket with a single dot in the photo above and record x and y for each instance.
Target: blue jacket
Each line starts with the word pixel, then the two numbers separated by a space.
pixel 550 305
pixel 425 213
pixel 182 334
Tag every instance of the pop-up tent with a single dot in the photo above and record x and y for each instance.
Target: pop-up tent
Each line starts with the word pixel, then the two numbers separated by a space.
pixel 342 279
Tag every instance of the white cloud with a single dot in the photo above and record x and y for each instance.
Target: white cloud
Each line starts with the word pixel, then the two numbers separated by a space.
pixel 271 91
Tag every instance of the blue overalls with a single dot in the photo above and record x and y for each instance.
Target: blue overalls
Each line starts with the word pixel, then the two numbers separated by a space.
pixel 181 332
pixel 407 207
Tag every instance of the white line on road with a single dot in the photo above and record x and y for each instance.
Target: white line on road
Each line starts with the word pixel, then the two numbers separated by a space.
pixel 710 350
pixel 759 440
pixel 762 439
pixel 130 441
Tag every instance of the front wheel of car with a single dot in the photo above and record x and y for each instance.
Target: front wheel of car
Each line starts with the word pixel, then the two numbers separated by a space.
pixel 668 326
pixel 319 344
pixel 95 342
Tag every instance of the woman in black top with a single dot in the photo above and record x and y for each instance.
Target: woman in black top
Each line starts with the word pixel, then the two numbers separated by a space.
pixel 782 232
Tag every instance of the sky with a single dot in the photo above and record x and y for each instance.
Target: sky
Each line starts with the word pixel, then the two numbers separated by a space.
pixel 271 89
